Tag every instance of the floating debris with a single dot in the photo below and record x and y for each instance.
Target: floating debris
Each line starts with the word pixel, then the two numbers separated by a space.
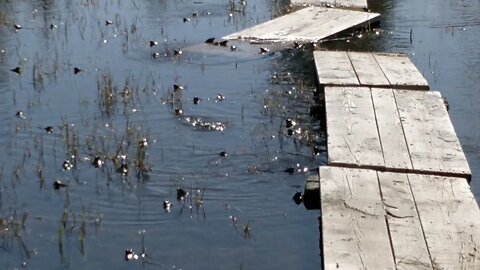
pixel 17 27
pixel 76 70
pixel 181 194
pixel 67 165
pixel 196 100
pixel 220 97
pixel 155 55
pixel 20 114
pixel 97 162
pixel 123 170
pixel 297 197
pixel 297 45
pixel 153 43
pixel 233 48
pixel 49 129
pixel 17 70
pixel 130 255
pixel 264 50
pixel 289 123
pixel 178 112
pixel 108 22
pixel 210 40
pixel 290 170
pixel 53 26
pixel 223 154
pixel 445 102
pixel 167 205
pixel 222 43
pixel 195 14
pixel 177 52
pixel 58 184
pixel 185 20
pixel 143 143
pixel 199 123
pixel 177 87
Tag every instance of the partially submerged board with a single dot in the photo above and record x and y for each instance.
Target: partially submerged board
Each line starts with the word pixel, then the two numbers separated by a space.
pixel 392 130
pixel 368 69
pixel 353 4
pixel 310 24
pixel 384 220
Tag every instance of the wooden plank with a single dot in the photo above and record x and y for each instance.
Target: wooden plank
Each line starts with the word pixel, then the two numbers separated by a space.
pixel 334 68
pixel 451 220
pixel 351 128
pixel 367 69
pixel 410 248
pixel 354 230
pixel 354 4
pixel 430 136
pixel 310 24
pixel 394 146
pixel 400 71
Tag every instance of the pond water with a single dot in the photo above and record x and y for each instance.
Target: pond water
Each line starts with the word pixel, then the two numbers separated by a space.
pixel 91 91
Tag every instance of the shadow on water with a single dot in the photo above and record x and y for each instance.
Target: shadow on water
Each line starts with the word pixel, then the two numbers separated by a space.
pixel 110 114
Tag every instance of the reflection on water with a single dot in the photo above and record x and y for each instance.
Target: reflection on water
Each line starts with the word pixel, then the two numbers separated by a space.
pixel 95 108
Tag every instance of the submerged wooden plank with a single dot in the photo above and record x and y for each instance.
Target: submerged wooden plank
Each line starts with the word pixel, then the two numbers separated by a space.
pixel 310 24
pixel 408 242
pixel 400 71
pixel 367 69
pixel 351 128
pixel 354 230
pixel 354 4
pixel 451 220
pixel 334 68
pixel 430 136
pixel 394 146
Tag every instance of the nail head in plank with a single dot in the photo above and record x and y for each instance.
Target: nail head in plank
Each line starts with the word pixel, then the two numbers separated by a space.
pixel 408 241
pixel 394 146
pixel 451 220
pixel 354 230
pixel 334 68
pixel 430 136
pixel 351 128
pixel 310 24
pixel 400 71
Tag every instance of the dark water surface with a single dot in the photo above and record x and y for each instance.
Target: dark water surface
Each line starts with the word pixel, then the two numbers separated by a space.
pixel 239 213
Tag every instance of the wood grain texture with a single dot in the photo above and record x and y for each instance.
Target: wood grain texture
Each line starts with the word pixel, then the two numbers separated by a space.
pixel 353 221
pixel 430 136
pixel 334 68
pixel 400 71
pixel 451 220
pixel 351 127
pixel 310 24
pixel 367 69
pixel 394 146
pixel 410 248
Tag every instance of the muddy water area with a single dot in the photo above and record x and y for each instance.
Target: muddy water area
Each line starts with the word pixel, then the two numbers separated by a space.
pixel 115 137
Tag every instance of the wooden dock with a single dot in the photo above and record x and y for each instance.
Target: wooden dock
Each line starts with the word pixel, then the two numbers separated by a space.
pixel 309 24
pixel 395 193
pixel 383 220
pixel 349 4
pixel 368 69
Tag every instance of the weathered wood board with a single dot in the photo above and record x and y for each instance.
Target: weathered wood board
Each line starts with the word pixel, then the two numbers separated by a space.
pixel 369 69
pixel 420 221
pixel 393 130
pixel 354 231
pixel 352 131
pixel 353 4
pixel 310 24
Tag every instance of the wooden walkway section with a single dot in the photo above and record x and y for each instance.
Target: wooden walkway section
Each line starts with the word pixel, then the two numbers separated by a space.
pixel 310 24
pixel 383 220
pixel 349 4
pixel 392 130
pixel 368 69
